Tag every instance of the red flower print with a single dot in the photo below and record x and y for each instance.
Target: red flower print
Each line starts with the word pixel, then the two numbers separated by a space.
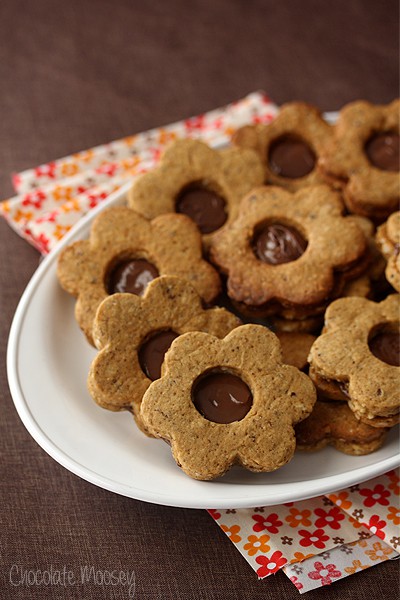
pixel 46 170
pixel 315 538
pixel 271 523
pixel 324 572
pixel 194 123
pixel 376 525
pixel 296 582
pixel 270 565
pixel 108 169
pixel 379 495
pixel 42 243
pixel 34 199
pixel 94 199
pixel 16 179
pixel 330 518
pixel 214 513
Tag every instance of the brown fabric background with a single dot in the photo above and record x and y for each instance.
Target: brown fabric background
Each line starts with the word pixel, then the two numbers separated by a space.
pixel 79 73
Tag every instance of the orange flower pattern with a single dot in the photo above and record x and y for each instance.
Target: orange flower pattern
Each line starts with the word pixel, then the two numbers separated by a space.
pixel 298 517
pixel 257 544
pixel 53 197
pixel 102 169
pixel 339 531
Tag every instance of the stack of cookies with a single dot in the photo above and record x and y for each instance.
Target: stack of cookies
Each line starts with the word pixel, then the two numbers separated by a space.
pixel 276 231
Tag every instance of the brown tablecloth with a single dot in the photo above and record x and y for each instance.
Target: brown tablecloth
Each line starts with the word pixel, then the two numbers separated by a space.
pixel 80 73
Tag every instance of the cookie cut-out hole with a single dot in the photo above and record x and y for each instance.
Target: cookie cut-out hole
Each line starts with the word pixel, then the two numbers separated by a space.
pixel 382 150
pixel 221 397
pixel 278 243
pixel 204 205
pixel 384 343
pixel 291 157
pixel 152 352
pixel 130 275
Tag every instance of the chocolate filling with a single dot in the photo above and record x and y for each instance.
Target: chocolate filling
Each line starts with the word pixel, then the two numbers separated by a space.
pixel 382 150
pixel 291 157
pixel 221 397
pixel 131 276
pixel 385 345
pixel 203 205
pixel 275 243
pixel 152 352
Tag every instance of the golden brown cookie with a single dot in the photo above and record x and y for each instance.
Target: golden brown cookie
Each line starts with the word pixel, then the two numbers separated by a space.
pixel 221 402
pixel 205 184
pixel 288 254
pixel 333 423
pixel 358 354
pixel 363 158
pixel 289 146
pixel 124 252
pixel 133 333
pixel 296 348
pixel 388 240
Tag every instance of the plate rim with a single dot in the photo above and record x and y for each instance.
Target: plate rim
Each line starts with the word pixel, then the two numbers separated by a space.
pixel 317 487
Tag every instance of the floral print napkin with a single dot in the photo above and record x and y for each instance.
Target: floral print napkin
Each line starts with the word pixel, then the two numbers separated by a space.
pixel 315 541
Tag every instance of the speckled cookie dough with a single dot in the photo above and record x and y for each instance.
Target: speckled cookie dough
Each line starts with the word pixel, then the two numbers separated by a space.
pixel 359 354
pixel 363 158
pixel 133 333
pixel 125 252
pixel 333 423
pixel 221 402
pixel 290 146
pixel 205 184
pixel 388 240
pixel 288 254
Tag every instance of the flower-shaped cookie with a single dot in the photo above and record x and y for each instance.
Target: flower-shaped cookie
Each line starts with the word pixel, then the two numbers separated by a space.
pixel 133 334
pixel 205 184
pixel 289 253
pixel 363 158
pixel 388 240
pixel 290 146
pixel 221 402
pixel 359 351
pixel 334 423
pixel 125 252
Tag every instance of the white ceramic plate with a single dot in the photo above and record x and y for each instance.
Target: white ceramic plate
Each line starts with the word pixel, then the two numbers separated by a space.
pixel 48 361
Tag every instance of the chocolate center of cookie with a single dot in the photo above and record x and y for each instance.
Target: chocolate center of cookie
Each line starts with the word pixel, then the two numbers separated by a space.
pixel 204 206
pixel 382 150
pixel 276 244
pixel 132 276
pixel 152 352
pixel 385 345
pixel 291 157
pixel 221 397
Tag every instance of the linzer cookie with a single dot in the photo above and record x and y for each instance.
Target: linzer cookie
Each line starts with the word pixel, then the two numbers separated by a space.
pixel 296 348
pixel 357 358
pixel 330 423
pixel 333 423
pixel 125 252
pixel 290 146
pixel 363 158
pixel 204 184
pixel 287 255
pixel 388 240
pixel 221 402
pixel 134 332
